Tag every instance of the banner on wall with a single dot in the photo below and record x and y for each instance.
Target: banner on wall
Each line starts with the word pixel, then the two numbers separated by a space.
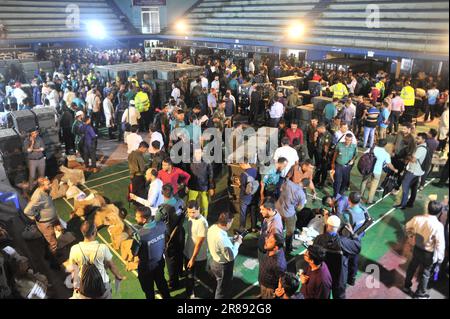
pixel 144 3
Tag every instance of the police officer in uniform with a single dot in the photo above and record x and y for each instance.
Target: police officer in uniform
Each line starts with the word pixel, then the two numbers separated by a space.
pixel 322 141
pixel 151 250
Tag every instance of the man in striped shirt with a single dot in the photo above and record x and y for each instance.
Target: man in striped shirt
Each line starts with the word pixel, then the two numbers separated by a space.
pixel 370 124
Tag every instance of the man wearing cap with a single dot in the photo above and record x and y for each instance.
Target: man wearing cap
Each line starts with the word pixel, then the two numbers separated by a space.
pixel 34 146
pixel 338 249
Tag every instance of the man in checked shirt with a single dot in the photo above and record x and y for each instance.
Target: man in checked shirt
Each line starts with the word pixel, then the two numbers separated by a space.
pixel 271 224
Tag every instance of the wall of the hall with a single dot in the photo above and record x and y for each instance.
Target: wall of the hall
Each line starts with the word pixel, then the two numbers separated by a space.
pixel 167 14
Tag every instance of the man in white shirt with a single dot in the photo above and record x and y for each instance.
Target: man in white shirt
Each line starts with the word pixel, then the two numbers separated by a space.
pixel 443 130
pixel 131 116
pixel 99 254
pixel 413 173
pixel 216 83
pixel 108 111
pixel 19 94
pixel 251 66
pixel 287 152
pixel 204 81
pixel 427 233
pixel 133 139
pixel 223 252
pixel 340 134
pixel 431 103
pixel 90 100
pixel 156 136
pixel 176 93
pixel 195 247
pixel 155 195
pixel 53 97
pixel 69 96
pixel 276 113
pixel 192 85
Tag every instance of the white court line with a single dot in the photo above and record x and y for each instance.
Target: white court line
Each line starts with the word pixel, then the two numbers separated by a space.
pixel 110 182
pixel 109 175
pixel 303 251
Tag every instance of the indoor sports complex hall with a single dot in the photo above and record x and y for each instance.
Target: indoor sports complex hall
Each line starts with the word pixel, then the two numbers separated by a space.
pixel 308 57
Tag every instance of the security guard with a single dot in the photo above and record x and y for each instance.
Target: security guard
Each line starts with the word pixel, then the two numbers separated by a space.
pixel 142 104
pixel 409 98
pixel 339 90
pixel 151 253
pixel 91 78
pixel 381 86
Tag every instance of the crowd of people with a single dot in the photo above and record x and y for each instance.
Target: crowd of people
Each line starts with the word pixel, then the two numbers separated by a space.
pixel 375 113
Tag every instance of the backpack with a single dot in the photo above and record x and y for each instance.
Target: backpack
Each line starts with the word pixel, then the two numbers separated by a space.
pixel 367 163
pixel 426 163
pixel 252 185
pixel 367 223
pixel 91 284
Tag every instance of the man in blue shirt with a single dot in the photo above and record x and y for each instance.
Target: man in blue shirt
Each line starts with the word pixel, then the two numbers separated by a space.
pixel 173 209
pixel 89 145
pixel 383 158
pixel 292 199
pixel 330 111
pixel 355 216
pixel 431 103
pixel 151 254
pixel 383 119
pixel 270 181
pixel 335 206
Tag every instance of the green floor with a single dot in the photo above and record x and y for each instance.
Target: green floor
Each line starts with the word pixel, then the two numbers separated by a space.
pixel 112 182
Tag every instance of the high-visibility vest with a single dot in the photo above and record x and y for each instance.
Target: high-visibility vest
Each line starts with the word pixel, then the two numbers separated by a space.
pixel 142 103
pixel 135 82
pixel 380 86
pixel 408 96
pixel 90 78
pixel 339 90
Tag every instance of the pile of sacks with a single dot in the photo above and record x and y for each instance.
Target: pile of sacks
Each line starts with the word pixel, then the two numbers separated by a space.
pixel 110 216
pixel 66 184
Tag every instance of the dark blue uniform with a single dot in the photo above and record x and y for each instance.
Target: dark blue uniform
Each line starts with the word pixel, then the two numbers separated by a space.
pixel 151 260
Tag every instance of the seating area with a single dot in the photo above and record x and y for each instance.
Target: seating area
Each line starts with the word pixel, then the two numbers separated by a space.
pixel 48 19
pixel 407 25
